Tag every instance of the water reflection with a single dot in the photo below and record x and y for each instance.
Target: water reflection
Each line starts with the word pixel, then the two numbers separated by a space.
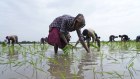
pixel 9 57
pixel 112 46
pixel 44 47
pixel 138 45
pixel 125 45
pixel 60 67
pixel 87 63
pixel 44 64
pixel 12 53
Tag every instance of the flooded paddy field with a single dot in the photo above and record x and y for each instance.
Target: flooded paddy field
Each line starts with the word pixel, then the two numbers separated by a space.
pixel 116 60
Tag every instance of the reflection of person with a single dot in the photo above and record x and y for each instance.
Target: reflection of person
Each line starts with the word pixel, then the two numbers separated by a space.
pixel 138 38
pixel 86 64
pixel 88 34
pixel 43 40
pixel 112 38
pixel 59 30
pixel 12 39
pixel 12 54
pixel 124 38
pixel 59 66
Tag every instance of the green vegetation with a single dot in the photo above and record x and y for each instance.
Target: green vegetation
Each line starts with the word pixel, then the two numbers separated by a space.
pixel 73 62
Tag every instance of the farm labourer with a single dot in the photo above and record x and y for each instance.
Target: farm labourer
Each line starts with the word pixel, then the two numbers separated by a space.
pixel 43 40
pixel 88 34
pixel 138 38
pixel 112 37
pixel 12 39
pixel 124 37
pixel 59 31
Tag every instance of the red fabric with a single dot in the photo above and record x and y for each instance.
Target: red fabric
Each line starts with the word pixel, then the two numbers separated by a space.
pixel 54 38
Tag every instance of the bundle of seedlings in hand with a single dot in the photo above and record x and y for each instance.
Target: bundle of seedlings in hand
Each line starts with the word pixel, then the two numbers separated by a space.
pixel 67 49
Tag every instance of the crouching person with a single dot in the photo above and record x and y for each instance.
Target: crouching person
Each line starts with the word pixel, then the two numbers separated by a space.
pixel 88 34
pixel 112 38
pixel 124 38
pixel 43 40
pixel 138 38
pixel 59 31
pixel 13 39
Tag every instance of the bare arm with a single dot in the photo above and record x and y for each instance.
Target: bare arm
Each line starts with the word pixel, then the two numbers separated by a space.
pixel 81 39
pixel 63 37
pixel 77 43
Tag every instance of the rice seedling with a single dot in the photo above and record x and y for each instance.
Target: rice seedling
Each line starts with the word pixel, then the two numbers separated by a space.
pixel 67 49
pixel 62 75
pixel 52 60
pixel 75 76
pixel 35 56
pixel 119 76
pixel 3 44
pixel 93 45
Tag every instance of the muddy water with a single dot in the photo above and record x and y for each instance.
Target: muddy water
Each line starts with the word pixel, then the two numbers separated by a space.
pixel 37 62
